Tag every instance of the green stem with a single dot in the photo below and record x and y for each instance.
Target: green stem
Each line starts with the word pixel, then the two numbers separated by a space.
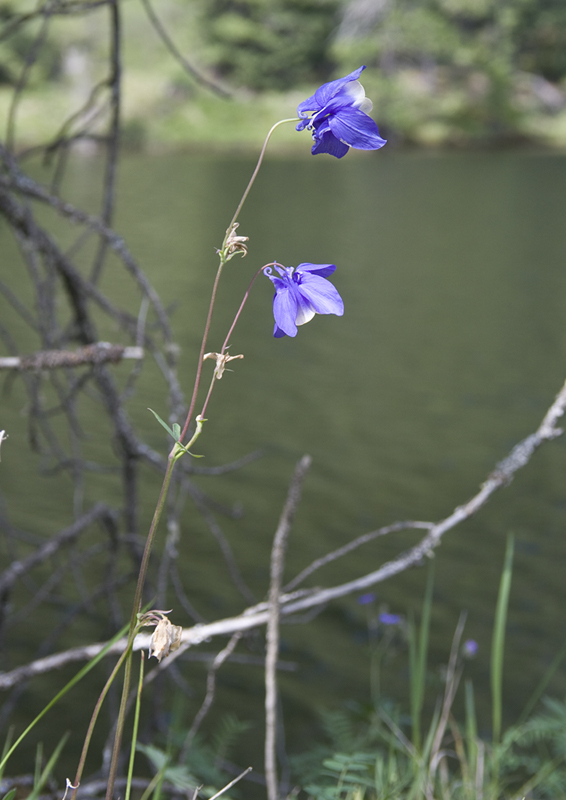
pixel 93 719
pixel 498 642
pixel 134 620
pixel 135 730
pixel 254 174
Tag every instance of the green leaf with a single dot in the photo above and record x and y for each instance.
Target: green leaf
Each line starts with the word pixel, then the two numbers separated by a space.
pixel 165 425
pixel 10 796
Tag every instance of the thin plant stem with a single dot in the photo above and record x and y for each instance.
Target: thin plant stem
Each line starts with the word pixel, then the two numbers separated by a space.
pixel 471 734
pixel 135 729
pixel 134 618
pixel 231 330
pixel 229 785
pixel 498 641
pixel 203 347
pixel 419 652
pixel 93 719
pixel 243 303
pixel 256 170
pixel 153 783
pixel 119 726
pixel 497 651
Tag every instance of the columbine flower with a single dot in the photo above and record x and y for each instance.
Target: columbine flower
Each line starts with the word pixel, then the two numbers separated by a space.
pixel 339 117
pixel 390 619
pixel 300 294
pixel 470 648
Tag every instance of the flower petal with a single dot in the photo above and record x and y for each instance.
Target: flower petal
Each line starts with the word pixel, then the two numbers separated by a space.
pixel 356 129
pixel 305 313
pixel 285 307
pixel 356 92
pixel 322 270
pixel 321 294
pixel 307 107
pixel 328 143
pixel 329 90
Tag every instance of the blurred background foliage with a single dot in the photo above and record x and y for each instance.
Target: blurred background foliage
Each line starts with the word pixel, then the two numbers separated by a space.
pixel 440 72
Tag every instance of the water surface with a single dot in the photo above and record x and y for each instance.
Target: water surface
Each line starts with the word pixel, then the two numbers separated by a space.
pixel 452 347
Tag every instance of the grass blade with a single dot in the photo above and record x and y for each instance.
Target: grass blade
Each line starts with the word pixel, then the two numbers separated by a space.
pixel 418 658
pixel 498 640
pixel 80 674
pixel 135 729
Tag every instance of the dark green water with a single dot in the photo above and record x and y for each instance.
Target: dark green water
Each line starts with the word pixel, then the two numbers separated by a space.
pixel 452 347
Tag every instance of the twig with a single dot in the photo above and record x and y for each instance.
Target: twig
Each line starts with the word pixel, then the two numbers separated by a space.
pixel 113 140
pixel 272 652
pixel 19 568
pixel 220 658
pixel 229 785
pixel 347 548
pixel 99 353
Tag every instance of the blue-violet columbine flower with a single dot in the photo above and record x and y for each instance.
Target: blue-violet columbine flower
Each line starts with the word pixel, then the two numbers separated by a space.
pixel 339 117
pixel 470 648
pixel 300 294
pixel 390 619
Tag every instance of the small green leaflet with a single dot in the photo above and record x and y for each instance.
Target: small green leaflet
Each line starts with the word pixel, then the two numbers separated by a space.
pixel 175 433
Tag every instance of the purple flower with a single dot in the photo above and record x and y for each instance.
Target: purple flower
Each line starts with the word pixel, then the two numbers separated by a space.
pixel 366 599
pixel 469 648
pixel 339 117
pixel 390 619
pixel 300 294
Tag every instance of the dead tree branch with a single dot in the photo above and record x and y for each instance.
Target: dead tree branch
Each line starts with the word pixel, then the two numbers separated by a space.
pixel 272 649
pixel 99 353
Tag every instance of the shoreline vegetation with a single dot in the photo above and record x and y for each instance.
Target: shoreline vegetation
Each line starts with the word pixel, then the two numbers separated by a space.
pixel 451 74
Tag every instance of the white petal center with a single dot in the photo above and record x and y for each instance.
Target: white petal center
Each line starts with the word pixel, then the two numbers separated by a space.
pixel 304 315
pixel 358 95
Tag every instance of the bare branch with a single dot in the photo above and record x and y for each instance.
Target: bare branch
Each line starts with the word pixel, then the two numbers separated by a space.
pixel 99 353
pixel 220 658
pixel 347 548
pixel 272 651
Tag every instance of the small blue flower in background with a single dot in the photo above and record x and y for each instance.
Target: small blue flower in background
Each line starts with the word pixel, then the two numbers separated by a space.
pixel 300 294
pixel 366 599
pixel 470 648
pixel 339 117
pixel 390 619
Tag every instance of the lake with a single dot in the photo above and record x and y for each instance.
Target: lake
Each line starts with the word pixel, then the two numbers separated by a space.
pixel 451 348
